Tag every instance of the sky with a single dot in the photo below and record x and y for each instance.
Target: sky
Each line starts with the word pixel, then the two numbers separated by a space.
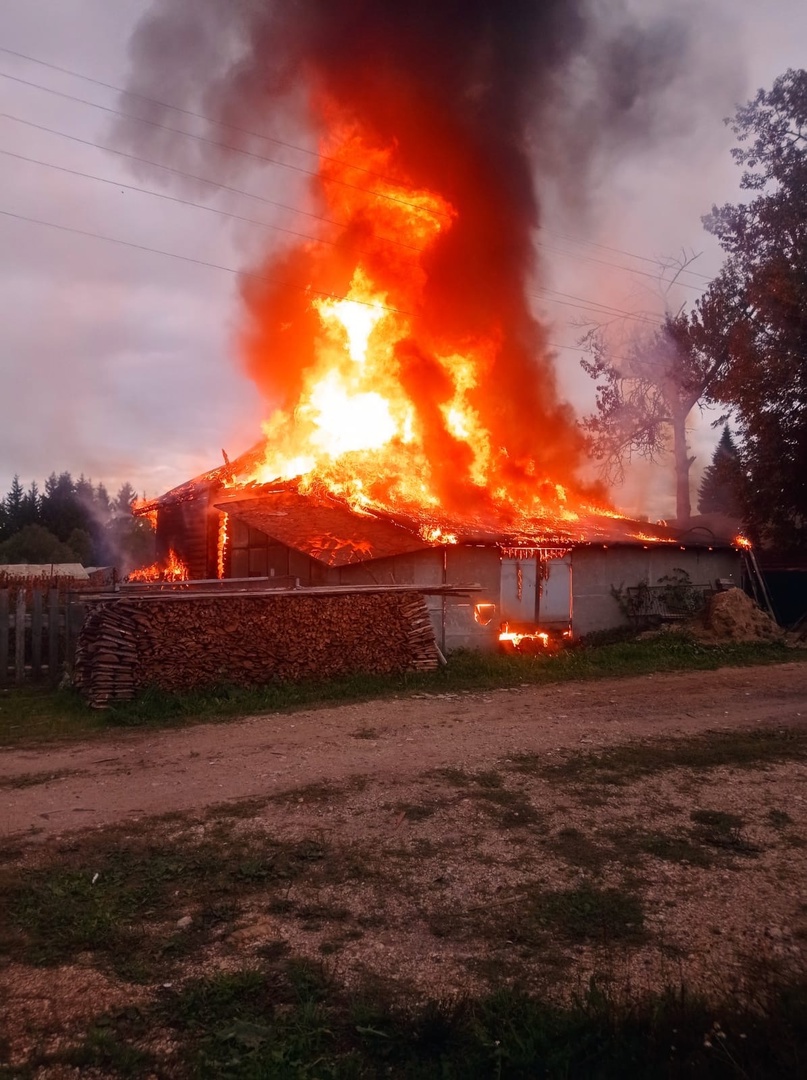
pixel 119 309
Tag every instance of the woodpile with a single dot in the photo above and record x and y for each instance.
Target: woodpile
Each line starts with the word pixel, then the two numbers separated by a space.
pixel 179 642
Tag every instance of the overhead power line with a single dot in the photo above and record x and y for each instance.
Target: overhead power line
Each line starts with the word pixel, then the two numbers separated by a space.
pixel 225 146
pixel 196 115
pixel 236 271
pixel 585 303
pixel 280 142
pixel 200 262
pixel 183 202
pixel 195 177
pixel 238 191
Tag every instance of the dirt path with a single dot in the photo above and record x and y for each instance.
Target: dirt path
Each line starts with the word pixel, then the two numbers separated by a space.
pixel 56 789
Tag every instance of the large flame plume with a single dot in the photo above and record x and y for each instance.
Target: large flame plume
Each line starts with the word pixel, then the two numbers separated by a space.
pixel 398 347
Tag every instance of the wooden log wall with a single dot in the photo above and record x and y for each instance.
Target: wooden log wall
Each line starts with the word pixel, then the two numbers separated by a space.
pixel 184 642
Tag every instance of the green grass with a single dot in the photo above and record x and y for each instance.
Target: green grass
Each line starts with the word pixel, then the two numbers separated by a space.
pixel 632 761
pixel 31 714
pixel 120 896
pixel 292 1020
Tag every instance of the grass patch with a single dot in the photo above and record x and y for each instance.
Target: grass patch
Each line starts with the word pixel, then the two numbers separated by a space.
pixel 779 819
pixel 722 830
pixel 628 762
pixel 627 846
pixel 33 714
pixel 119 897
pixel 575 847
pixel 295 1021
pixel 34 779
pixel 590 914
pixel 509 809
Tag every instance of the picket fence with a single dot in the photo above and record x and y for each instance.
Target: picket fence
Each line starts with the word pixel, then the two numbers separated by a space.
pixel 38 632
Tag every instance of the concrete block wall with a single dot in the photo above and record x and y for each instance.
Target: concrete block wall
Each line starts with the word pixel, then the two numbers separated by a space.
pixel 595 570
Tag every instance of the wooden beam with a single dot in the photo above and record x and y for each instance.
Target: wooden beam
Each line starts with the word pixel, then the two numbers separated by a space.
pixel 36 633
pixel 4 635
pixel 19 637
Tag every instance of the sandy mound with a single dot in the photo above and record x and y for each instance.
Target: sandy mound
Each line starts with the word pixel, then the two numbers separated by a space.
pixel 733 616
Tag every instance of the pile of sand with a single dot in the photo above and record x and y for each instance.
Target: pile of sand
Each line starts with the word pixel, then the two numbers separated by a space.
pixel 733 616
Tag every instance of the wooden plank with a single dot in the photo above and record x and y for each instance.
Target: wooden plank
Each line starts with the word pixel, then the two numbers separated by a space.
pixel 19 637
pixel 314 590
pixel 4 634
pixel 53 636
pixel 36 634
pixel 74 618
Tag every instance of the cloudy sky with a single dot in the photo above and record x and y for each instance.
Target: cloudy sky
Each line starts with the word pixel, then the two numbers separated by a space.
pixel 118 308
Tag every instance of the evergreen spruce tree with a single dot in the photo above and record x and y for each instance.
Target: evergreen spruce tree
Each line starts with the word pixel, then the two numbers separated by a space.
pixel 721 488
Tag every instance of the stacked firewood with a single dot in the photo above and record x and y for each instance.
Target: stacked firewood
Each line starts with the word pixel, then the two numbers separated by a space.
pixel 106 662
pixel 181 642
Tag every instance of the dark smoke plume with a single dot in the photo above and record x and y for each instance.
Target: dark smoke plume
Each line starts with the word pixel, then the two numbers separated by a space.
pixel 479 97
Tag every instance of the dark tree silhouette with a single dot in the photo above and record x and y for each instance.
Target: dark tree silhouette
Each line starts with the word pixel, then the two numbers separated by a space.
pixel 722 483
pixel 752 320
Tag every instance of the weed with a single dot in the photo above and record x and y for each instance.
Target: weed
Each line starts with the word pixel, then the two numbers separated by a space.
pixel 119 896
pixel 576 848
pixel 588 913
pixel 779 819
pixel 722 830
pixel 365 733
pixel 419 811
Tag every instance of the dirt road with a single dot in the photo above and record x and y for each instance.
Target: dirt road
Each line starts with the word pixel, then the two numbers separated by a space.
pixel 116 777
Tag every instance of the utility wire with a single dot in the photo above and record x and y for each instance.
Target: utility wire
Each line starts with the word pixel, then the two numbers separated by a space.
pixel 281 142
pixel 220 266
pixel 586 304
pixel 195 115
pixel 202 262
pixel 184 202
pixel 195 177
pixel 225 146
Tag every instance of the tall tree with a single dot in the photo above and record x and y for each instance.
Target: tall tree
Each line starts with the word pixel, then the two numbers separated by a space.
pixel 644 398
pixel 721 487
pixel 752 320
pixel 15 507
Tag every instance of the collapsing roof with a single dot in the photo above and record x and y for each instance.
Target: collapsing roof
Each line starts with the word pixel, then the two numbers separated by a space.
pixel 336 533
pixel 330 531
pixel 323 528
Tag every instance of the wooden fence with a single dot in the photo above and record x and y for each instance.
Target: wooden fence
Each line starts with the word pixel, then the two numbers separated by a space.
pixel 38 631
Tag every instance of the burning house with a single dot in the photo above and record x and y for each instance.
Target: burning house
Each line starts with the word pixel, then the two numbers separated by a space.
pixel 414 432
pixel 559 578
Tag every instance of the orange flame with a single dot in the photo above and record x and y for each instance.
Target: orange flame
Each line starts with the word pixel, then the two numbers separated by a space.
pixel 221 546
pixel 742 542
pixel 173 570
pixel 149 515
pixel 387 407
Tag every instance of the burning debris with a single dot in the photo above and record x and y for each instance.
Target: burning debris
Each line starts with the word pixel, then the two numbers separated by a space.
pixel 173 569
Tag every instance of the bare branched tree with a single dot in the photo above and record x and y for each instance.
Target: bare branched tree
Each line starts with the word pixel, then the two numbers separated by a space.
pixel 647 390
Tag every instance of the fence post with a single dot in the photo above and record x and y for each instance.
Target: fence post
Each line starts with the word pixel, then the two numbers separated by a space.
pixel 19 637
pixel 36 633
pixel 4 628
pixel 53 636
pixel 74 620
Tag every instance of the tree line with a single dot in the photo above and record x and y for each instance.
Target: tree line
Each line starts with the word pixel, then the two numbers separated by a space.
pixel 742 346
pixel 73 521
